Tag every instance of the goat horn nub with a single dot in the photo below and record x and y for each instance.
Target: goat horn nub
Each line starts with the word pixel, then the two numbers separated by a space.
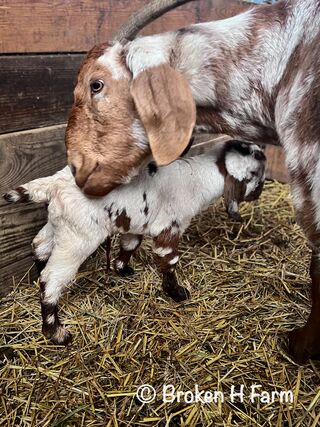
pixel 143 17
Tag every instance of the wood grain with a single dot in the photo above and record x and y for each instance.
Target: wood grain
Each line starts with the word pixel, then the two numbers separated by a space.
pixel 30 154
pixel 77 25
pixel 24 156
pixel 19 225
pixel 276 166
pixel 209 10
pixel 36 90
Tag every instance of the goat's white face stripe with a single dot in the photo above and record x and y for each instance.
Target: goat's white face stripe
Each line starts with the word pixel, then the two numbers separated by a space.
pixel 111 59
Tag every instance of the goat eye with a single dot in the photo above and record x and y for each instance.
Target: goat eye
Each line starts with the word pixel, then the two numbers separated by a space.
pixel 96 86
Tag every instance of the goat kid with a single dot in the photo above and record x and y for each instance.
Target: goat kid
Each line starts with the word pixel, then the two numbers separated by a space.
pixel 159 202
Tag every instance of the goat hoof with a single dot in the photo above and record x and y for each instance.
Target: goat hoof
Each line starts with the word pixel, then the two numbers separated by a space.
pixel 304 344
pixel 172 288
pixel 179 294
pixel 60 336
pixel 235 216
pixel 126 271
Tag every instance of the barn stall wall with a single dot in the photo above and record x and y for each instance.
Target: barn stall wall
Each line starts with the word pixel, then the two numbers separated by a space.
pixel 42 44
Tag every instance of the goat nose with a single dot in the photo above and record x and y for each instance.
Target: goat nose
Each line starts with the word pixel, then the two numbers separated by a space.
pixel 84 171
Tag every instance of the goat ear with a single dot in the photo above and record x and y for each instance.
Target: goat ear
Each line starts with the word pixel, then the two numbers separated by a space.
pixel 234 191
pixel 167 110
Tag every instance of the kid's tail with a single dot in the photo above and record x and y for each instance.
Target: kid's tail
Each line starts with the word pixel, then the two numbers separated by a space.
pixel 37 191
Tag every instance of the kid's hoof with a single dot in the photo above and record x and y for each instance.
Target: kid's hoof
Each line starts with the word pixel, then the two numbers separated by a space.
pixel 179 294
pixel 59 337
pixel 173 289
pixel 126 271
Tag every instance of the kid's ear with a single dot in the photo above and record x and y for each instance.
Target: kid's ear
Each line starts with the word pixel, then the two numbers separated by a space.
pixel 234 191
pixel 167 110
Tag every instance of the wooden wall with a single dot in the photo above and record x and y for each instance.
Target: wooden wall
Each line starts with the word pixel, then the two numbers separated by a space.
pixel 42 43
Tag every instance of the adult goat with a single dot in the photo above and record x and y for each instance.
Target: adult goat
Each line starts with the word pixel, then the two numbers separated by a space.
pixel 255 77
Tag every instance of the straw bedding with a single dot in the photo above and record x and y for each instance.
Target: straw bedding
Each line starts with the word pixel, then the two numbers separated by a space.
pixel 249 284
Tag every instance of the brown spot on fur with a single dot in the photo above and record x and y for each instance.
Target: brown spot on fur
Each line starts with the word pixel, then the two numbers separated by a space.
pixel 123 221
pixel 167 239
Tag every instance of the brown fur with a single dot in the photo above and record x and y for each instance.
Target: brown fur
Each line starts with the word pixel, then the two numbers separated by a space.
pixel 234 191
pixel 94 130
pixel 167 110
pixel 123 221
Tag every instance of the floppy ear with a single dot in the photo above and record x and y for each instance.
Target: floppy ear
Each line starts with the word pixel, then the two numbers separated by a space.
pixel 234 191
pixel 167 110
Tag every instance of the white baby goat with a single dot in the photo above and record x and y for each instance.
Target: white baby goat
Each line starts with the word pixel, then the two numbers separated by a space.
pixel 159 202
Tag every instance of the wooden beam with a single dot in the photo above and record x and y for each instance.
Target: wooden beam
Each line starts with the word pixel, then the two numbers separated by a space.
pixel 24 156
pixel 209 10
pixel 77 25
pixel 36 90
pixel 276 165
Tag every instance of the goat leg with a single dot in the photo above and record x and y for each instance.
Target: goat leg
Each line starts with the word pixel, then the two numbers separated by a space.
pixel 129 243
pixel 304 343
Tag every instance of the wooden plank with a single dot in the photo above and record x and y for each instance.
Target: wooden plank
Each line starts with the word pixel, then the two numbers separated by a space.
pixel 76 25
pixel 276 166
pixel 24 156
pixel 209 10
pixel 36 90
pixel 19 224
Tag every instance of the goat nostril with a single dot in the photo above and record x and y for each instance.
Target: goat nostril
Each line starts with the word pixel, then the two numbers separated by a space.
pixel 73 169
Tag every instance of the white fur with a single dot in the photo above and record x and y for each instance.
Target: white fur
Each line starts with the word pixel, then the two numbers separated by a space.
pixel 129 242
pixel 162 251
pixel 139 135
pixel 235 164
pixel 111 60
pixel 174 260
pixel 149 51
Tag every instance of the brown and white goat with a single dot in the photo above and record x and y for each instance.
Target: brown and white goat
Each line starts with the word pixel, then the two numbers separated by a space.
pixel 255 76
pixel 157 202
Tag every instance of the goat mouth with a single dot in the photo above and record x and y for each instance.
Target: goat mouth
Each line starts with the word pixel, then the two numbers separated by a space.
pixel 97 187
pixel 83 174
pixel 95 191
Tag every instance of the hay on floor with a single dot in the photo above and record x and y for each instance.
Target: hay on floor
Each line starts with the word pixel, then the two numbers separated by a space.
pixel 249 284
